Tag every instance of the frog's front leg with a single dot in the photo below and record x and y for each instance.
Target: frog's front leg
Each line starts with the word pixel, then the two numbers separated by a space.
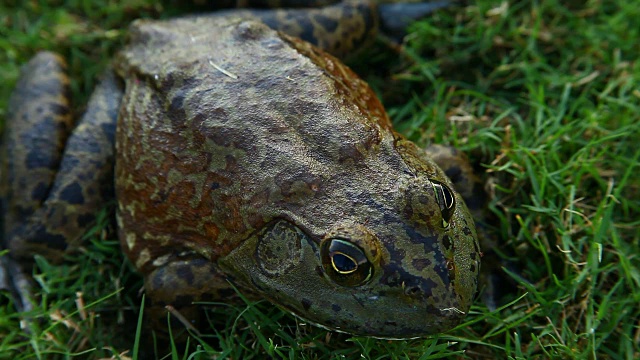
pixel 177 286
pixel 45 214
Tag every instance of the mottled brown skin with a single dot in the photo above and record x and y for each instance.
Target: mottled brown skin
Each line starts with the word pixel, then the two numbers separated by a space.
pixel 250 158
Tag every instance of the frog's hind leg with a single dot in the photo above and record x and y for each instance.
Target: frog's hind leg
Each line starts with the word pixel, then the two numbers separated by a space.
pixel 76 186
pixel 338 29
pixel 37 126
pixel 342 28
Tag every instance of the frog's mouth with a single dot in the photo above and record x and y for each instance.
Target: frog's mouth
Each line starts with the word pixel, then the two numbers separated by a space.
pixel 284 265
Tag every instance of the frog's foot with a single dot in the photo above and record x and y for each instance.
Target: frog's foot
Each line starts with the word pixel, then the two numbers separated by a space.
pixel 16 283
pixel 57 177
pixel 177 287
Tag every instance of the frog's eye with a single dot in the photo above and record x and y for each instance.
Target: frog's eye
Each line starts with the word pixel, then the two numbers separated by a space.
pixel 446 201
pixel 345 263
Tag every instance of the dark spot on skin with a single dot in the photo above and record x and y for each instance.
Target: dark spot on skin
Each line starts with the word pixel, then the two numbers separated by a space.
pixel 429 242
pixel 319 270
pixel 231 164
pixel 58 109
pixel 42 236
pixel 168 81
pixel 42 148
pixel 349 152
pixel 306 304
pixel 50 85
pixel 157 281
pixel 326 22
pixel 307 29
pixel 175 110
pixel 210 125
pixel 336 308
pixel 185 274
pixel 446 242
pixel 391 323
pixel 395 276
pixel 472 268
pixel 40 191
pixel 421 264
pixel 364 12
pixel 72 194
pixel 367 15
pixel 422 199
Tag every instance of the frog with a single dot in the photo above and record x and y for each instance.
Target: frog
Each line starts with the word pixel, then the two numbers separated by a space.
pixel 243 157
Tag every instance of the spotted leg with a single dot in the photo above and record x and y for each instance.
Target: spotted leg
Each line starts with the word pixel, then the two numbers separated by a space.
pixel 340 29
pixel 49 200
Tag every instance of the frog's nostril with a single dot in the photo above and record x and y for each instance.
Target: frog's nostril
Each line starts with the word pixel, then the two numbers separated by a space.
pixel 412 291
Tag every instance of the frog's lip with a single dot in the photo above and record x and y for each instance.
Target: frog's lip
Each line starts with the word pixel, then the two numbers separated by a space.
pixel 397 323
pixel 381 337
pixel 328 328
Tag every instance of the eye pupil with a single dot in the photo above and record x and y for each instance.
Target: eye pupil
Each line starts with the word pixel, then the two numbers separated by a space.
pixel 446 201
pixel 343 264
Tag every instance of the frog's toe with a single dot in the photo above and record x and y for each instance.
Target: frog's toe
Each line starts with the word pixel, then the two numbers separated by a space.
pixel 16 284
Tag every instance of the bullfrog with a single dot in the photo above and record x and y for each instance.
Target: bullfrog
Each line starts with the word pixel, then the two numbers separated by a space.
pixel 244 158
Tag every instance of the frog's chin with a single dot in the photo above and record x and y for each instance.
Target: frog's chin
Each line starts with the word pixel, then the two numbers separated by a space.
pixel 328 328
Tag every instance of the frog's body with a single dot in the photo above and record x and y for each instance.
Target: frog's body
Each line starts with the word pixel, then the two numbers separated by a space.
pixel 247 157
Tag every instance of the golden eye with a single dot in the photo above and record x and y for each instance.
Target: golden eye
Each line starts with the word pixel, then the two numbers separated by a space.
pixel 446 201
pixel 345 263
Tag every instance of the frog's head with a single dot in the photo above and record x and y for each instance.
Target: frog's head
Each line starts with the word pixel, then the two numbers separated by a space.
pixel 407 269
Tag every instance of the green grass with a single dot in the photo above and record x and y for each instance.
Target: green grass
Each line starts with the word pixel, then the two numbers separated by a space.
pixel 544 96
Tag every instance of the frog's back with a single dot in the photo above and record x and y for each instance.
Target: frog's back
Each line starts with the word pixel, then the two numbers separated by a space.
pixel 225 123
